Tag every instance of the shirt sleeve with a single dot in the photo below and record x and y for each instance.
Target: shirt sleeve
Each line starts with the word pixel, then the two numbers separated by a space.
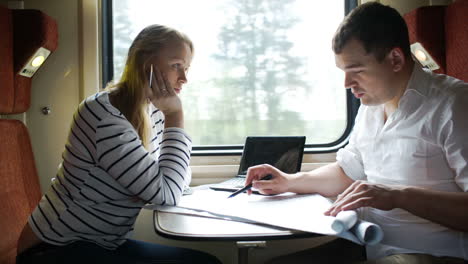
pixel 157 118
pixel 159 180
pixel 188 179
pixel 453 135
pixel 349 158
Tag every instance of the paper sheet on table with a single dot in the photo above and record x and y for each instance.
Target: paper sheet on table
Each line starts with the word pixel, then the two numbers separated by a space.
pixel 289 210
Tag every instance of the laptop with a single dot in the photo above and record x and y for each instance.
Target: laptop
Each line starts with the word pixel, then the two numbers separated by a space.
pixel 282 152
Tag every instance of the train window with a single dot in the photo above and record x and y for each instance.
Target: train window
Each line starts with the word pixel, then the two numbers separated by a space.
pixel 261 67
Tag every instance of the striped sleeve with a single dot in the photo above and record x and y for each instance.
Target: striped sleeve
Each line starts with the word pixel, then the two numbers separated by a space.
pixel 159 180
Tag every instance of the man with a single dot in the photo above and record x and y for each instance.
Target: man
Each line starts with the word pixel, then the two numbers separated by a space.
pixel 406 164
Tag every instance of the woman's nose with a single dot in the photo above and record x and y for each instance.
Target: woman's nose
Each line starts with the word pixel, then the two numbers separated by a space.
pixel 183 77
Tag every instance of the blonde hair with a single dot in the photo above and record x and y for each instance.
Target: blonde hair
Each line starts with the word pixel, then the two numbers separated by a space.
pixel 130 95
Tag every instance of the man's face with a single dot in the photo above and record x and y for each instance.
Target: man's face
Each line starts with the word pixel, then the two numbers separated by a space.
pixel 369 80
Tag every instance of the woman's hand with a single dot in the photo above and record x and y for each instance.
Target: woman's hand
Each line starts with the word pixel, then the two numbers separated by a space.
pixel 164 97
pixel 162 94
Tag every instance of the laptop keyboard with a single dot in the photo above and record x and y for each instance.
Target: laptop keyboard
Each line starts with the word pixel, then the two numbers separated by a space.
pixel 237 182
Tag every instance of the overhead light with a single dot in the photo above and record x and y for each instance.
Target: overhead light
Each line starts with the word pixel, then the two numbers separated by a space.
pixel 420 55
pixel 424 57
pixel 37 61
pixel 33 64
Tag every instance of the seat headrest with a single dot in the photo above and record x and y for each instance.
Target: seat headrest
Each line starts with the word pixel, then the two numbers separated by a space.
pixel 443 32
pixel 456 39
pixel 6 66
pixel 426 25
pixel 23 32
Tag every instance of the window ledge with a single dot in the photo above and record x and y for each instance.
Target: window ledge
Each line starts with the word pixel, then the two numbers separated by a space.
pixel 208 174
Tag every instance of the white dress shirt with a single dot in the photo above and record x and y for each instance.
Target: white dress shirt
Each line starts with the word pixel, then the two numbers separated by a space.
pixel 424 143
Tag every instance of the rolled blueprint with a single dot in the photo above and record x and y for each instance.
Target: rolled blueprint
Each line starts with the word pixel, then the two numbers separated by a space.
pixel 361 232
pixel 344 220
pixel 367 233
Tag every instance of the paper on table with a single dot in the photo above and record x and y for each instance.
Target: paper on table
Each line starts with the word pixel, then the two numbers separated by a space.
pixel 289 210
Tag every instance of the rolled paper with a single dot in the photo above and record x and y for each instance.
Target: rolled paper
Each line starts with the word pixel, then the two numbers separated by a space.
pixel 344 220
pixel 368 233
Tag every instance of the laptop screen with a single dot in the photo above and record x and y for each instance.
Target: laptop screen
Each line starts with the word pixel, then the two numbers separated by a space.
pixel 282 152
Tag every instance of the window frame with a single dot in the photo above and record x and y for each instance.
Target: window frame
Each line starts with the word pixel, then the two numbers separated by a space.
pixel 224 150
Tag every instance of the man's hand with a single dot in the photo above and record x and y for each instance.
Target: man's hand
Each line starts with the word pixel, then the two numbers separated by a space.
pixel 365 194
pixel 278 183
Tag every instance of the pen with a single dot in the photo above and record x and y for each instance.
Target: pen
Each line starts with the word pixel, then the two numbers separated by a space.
pixel 245 188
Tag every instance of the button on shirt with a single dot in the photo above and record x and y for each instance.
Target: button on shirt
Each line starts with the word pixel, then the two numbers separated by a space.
pixel 424 143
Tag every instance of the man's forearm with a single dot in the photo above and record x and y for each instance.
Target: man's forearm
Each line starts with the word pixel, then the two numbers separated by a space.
pixel 329 180
pixel 446 208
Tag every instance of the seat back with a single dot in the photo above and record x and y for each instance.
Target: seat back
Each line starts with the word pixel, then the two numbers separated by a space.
pixel 456 38
pixel 19 189
pixel 19 182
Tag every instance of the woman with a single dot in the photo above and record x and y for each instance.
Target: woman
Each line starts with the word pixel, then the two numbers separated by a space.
pixel 126 148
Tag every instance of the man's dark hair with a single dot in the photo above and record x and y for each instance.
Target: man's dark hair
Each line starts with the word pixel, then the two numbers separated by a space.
pixel 380 28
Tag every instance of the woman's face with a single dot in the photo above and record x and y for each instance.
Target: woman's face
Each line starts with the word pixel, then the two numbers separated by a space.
pixel 173 61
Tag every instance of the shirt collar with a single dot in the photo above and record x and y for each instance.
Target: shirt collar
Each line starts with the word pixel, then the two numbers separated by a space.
pixel 419 80
pixel 416 90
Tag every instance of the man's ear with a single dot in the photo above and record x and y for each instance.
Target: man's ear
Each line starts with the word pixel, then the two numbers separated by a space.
pixel 397 59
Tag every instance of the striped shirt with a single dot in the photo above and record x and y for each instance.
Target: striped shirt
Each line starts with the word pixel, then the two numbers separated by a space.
pixel 106 176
